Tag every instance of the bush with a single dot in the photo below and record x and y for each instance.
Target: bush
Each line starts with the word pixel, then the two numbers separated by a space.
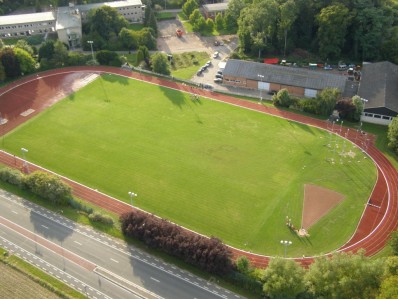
pixel 12 176
pixel 210 254
pixel 98 217
pixel 79 206
pixel 48 186
pixel 246 282
pixel 309 105
pixel 282 98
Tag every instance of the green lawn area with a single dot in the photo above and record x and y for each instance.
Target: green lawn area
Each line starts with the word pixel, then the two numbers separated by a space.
pixel 165 15
pixel 211 167
pixel 187 64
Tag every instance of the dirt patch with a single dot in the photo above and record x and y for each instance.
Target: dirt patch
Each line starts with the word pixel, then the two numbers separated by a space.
pixel 318 201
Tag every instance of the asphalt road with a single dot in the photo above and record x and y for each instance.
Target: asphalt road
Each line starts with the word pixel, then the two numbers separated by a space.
pixel 91 262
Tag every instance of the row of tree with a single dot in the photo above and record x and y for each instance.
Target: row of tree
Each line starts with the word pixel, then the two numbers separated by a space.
pixel 324 103
pixel 360 29
pixel 343 275
pixel 109 30
pixel 209 254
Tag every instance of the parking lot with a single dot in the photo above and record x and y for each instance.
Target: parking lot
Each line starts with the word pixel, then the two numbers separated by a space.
pixel 170 43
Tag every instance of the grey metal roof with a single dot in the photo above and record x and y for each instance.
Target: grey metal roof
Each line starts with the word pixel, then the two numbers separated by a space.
pixel 27 18
pixel 216 7
pixel 379 85
pixel 284 75
pixel 115 4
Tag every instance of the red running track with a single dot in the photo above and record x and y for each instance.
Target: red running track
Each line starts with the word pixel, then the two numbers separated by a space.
pixel 379 216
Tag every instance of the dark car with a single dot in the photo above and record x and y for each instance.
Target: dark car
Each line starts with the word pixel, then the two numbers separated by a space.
pixel 199 72
pixel 218 80
pixel 219 72
pixel 219 76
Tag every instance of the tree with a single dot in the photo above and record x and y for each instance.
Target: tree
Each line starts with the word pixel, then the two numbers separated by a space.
pixel 327 99
pixel 145 55
pixel 288 15
pixel 1 44
pixel 389 288
pixel 46 50
pixel 257 25
pixel 26 61
pixel 146 38
pixel 60 55
pixel 357 102
pixel 392 136
pixel 10 62
pixel 243 264
pixel 160 64
pixel 48 186
pixel 346 108
pixel 219 22
pixel 2 73
pixel 23 44
pixel 128 38
pixel 189 7
pixel 394 235
pixel 209 25
pixel 282 98
pixel 106 57
pixel 232 13
pixel 106 21
pixel 283 279
pixel 344 275
pixel 333 22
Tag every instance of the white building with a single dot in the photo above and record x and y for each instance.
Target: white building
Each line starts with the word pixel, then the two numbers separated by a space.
pixel 27 24
pixel 66 21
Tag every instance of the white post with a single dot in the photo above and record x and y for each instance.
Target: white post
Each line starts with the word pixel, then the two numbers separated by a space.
pixel 92 51
pixel 132 194
pixel 286 243
pixel 25 164
pixel 261 90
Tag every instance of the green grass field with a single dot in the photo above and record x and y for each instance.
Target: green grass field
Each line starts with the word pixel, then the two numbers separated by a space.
pixel 212 167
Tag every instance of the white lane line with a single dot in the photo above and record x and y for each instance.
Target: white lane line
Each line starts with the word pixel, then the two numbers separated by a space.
pixel 46 227
pixel 15 212
pixel 155 279
pixel 77 243
pixel 114 260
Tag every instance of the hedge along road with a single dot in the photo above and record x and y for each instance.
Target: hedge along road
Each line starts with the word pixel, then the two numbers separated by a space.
pixel 378 219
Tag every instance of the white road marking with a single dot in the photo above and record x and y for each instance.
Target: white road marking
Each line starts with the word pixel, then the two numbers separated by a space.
pixel 77 243
pixel 15 212
pixel 46 227
pixel 114 260
pixel 154 279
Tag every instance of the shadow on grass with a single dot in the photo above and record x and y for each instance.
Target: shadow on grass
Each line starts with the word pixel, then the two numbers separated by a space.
pixel 115 79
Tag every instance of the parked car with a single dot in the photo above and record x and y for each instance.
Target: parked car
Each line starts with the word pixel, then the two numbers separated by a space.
pixel 219 76
pixel 219 72
pixel 208 63
pixel 327 67
pixel 216 54
pixel 198 73
pixel 218 80
pixel 207 86
pixel 203 68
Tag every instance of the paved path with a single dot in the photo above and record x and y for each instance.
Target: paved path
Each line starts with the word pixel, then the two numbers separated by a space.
pixel 379 216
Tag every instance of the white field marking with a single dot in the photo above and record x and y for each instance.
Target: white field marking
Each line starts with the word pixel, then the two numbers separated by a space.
pixel 154 279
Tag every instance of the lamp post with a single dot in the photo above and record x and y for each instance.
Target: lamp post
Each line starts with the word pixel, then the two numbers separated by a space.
pixel 286 243
pixel 25 164
pixel 92 51
pixel 364 101
pixel 132 194
pixel 261 90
